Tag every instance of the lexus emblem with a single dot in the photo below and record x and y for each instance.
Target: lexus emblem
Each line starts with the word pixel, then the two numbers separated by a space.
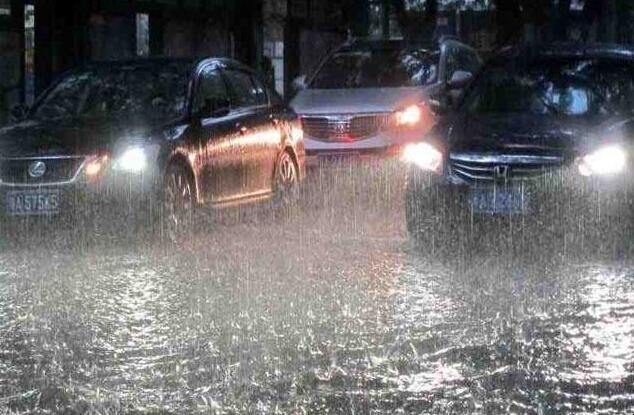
pixel 501 172
pixel 37 169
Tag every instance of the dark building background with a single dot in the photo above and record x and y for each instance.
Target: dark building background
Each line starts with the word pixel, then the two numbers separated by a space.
pixel 40 39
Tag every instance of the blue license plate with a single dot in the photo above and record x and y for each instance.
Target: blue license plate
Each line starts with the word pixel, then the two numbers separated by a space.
pixel 498 201
pixel 33 202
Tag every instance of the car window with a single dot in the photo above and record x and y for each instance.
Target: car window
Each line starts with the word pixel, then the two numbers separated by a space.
pixel 613 80
pixel 461 59
pixel 244 93
pixel 136 91
pixel 211 86
pixel 471 60
pixel 66 98
pixel 422 66
pixel 553 89
pixel 377 68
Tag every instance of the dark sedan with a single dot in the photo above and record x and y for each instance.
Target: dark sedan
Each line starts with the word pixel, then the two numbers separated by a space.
pixel 543 137
pixel 167 135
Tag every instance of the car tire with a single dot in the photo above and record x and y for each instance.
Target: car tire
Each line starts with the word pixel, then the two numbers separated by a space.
pixel 286 186
pixel 177 203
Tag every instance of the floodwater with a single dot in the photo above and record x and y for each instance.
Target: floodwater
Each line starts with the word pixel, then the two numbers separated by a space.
pixel 330 311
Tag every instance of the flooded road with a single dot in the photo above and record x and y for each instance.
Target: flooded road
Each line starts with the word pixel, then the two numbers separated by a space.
pixel 330 311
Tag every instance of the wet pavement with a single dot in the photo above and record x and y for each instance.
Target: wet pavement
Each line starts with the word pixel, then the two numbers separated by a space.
pixel 330 311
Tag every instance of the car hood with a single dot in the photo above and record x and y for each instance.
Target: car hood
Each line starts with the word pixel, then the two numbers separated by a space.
pixel 66 137
pixel 542 134
pixel 351 101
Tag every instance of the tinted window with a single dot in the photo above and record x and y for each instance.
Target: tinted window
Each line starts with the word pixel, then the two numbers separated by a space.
pixel 422 66
pixel 613 80
pixel 550 87
pixel 244 93
pixel 472 62
pixel 211 87
pixel 376 68
pixel 134 91
pixel 67 97
pixel 461 59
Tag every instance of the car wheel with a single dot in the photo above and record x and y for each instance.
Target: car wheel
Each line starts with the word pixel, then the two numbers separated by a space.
pixel 177 210
pixel 286 184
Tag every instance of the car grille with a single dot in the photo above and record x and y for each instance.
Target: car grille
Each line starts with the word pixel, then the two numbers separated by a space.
pixel 58 170
pixel 473 168
pixel 345 128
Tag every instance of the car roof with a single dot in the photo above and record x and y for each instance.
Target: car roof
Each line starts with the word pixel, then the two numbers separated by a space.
pixel 563 50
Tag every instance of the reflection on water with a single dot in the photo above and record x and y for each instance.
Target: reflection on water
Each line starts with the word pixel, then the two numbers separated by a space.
pixel 336 313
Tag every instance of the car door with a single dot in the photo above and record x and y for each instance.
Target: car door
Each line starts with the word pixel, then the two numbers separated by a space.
pixel 218 160
pixel 259 136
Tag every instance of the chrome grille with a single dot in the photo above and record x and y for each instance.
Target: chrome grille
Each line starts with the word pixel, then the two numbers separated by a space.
pixel 345 128
pixel 501 168
pixel 58 170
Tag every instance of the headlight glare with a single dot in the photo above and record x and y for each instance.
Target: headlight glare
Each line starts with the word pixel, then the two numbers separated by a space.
pixel 96 166
pixel 424 155
pixel 605 161
pixel 133 160
pixel 410 116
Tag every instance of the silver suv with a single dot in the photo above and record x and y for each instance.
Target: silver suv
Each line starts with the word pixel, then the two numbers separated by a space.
pixel 370 97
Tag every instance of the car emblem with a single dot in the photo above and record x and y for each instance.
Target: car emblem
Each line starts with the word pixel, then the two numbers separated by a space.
pixel 340 127
pixel 501 172
pixel 37 169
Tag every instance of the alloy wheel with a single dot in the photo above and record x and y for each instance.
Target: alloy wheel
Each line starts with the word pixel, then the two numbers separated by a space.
pixel 286 181
pixel 178 203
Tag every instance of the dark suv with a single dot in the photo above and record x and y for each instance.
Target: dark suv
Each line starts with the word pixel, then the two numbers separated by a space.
pixel 543 136
pixel 158 135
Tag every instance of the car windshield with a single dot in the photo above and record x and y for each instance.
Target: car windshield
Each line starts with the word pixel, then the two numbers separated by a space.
pixel 562 88
pixel 134 91
pixel 377 68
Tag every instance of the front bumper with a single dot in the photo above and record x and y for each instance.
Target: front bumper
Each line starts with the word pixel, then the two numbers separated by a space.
pixel 112 194
pixel 383 145
pixel 561 196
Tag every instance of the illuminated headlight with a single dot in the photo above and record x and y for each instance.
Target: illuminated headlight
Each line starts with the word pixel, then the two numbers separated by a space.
pixel 605 161
pixel 424 155
pixel 410 116
pixel 133 160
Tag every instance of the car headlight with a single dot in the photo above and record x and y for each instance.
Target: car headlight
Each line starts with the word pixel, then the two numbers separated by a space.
pixel 423 155
pixel 605 161
pixel 409 117
pixel 132 160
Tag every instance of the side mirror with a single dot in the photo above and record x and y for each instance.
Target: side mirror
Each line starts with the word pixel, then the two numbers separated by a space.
pixel 299 83
pixel 19 112
pixel 459 80
pixel 438 106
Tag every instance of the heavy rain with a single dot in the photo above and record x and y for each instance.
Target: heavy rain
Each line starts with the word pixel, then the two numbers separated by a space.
pixel 425 220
